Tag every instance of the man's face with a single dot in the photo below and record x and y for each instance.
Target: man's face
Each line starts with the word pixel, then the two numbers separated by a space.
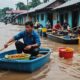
pixel 28 28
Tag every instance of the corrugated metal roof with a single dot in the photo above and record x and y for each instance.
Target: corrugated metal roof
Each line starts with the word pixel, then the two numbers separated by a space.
pixel 16 11
pixel 68 3
pixel 45 4
pixel 41 6
pixel 32 10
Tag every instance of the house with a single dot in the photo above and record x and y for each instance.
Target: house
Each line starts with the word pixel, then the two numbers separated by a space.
pixel 11 14
pixel 69 11
pixel 42 12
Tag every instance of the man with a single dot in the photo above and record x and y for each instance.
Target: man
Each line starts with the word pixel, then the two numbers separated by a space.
pixel 48 25
pixel 65 25
pixel 57 27
pixel 37 24
pixel 30 38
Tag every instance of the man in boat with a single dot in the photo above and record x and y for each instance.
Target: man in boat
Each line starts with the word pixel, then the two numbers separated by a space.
pixel 57 27
pixel 66 26
pixel 37 25
pixel 48 25
pixel 30 38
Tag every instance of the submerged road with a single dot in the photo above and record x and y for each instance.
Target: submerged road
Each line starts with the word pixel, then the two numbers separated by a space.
pixel 56 69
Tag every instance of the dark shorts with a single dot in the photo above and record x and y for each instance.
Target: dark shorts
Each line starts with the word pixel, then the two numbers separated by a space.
pixel 20 48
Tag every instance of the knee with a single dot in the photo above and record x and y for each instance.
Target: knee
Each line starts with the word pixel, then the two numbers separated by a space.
pixel 17 43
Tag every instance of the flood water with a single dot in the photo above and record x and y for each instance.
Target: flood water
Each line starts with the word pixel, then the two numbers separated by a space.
pixel 55 69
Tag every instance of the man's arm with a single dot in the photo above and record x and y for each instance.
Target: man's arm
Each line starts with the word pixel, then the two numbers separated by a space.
pixel 31 46
pixel 7 43
pixel 16 37
pixel 37 43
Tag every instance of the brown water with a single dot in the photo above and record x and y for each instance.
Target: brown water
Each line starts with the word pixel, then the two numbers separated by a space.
pixel 53 70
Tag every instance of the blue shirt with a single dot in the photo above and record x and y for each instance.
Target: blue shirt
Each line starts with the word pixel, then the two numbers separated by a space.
pixel 29 39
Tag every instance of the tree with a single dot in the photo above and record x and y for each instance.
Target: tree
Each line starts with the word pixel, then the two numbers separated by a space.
pixel 20 6
pixel 28 7
pixel 35 3
pixel 0 13
pixel 3 11
pixel 45 1
pixel 6 9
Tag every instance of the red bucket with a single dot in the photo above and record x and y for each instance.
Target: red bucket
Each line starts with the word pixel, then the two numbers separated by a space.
pixel 61 52
pixel 68 54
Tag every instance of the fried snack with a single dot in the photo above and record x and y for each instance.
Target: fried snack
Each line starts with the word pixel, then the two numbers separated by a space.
pixel 69 49
pixel 17 56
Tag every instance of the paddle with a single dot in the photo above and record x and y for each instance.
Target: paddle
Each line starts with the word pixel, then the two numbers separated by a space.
pixel 8 45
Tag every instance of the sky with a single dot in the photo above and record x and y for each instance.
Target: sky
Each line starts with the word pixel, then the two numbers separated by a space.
pixel 11 3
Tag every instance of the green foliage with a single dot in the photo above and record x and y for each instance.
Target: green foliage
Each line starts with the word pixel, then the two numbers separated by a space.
pixel 35 3
pixel 45 1
pixel 6 9
pixel 28 7
pixel 3 11
pixel 0 13
pixel 21 6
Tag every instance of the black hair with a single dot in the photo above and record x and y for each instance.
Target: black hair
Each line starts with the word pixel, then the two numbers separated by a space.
pixel 29 23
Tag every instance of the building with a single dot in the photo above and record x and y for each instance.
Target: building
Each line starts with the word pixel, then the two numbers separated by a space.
pixel 69 11
pixel 10 15
pixel 42 13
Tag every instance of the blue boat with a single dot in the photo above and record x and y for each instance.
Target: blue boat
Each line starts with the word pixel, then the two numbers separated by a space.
pixel 63 39
pixel 24 65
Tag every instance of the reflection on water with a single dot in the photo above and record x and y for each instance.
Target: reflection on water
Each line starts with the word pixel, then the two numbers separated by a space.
pixel 37 75
pixel 55 46
pixel 53 70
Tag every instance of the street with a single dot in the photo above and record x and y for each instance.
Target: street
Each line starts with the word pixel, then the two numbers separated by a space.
pixel 50 71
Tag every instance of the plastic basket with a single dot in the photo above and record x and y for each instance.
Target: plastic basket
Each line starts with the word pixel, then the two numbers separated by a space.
pixel 24 65
pixel 44 29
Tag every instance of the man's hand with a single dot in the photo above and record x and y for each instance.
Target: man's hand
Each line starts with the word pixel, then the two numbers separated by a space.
pixel 5 45
pixel 28 47
pixel 9 42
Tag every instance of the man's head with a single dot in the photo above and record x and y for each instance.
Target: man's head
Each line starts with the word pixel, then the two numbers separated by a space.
pixel 29 26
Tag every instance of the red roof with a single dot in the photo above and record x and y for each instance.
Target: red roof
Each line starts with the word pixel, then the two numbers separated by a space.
pixel 16 11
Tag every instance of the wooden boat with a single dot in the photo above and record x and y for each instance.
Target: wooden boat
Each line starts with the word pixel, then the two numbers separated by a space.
pixel 63 39
pixel 24 65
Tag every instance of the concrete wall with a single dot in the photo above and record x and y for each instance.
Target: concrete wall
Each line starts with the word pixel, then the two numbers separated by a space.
pixel 55 17
pixel 22 19
pixel 27 18
pixel 70 19
pixel 16 21
pixel 43 22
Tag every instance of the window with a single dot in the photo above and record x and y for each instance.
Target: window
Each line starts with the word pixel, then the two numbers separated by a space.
pixel 42 16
